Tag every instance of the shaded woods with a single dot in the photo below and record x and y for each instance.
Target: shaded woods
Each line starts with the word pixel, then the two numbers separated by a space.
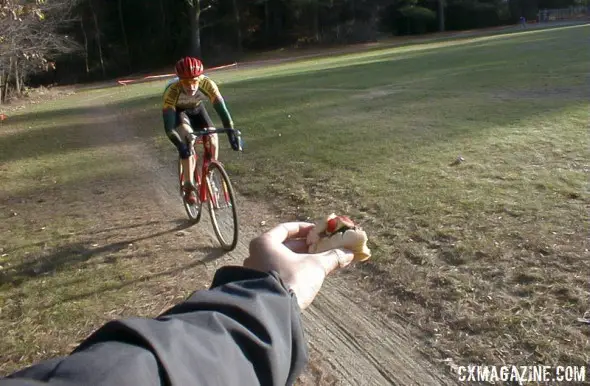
pixel 67 41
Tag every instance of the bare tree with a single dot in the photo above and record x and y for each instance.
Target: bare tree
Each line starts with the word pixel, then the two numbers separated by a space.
pixel 28 35
pixel 196 8
pixel 238 26
pixel 441 15
pixel 97 35
pixel 164 25
pixel 85 37
pixel 125 42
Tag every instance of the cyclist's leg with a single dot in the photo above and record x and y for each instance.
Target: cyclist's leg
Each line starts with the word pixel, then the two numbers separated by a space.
pixel 202 120
pixel 183 129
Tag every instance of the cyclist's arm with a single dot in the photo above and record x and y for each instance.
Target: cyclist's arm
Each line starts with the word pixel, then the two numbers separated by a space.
pixel 212 91
pixel 245 330
pixel 169 99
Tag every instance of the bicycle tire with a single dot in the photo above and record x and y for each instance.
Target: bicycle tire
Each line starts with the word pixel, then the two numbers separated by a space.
pixel 228 243
pixel 193 211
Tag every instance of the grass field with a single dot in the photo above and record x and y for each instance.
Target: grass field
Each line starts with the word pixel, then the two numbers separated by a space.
pixel 488 257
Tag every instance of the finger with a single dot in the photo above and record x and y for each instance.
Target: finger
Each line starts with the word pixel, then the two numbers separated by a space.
pixel 296 245
pixel 334 258
pixel 288 230
pixel 304 229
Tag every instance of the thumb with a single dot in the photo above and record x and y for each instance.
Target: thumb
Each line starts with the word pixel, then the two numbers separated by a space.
pixel 334 258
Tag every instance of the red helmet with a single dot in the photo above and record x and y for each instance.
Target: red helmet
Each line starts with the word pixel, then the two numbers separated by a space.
pixel 189 67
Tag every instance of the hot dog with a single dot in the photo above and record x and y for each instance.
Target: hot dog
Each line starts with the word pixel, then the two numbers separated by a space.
pixel 339 232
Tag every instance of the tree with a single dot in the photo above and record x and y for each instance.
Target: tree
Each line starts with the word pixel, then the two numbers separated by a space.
pixel 29 34
pixel 196 9
pixel 238 26
pixel 125 42
pixel 417 17
pixel 441 15
pixel 97 37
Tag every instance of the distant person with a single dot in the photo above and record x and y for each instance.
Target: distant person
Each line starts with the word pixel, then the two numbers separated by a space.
pixel 183 110
pixel 522 22
pixel 245 330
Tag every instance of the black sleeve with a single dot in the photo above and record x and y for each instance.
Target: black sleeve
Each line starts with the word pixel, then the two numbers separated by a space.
pixel 245 330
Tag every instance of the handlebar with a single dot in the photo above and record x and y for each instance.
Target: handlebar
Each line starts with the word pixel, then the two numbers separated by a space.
pixel 200 133
pixel 237 135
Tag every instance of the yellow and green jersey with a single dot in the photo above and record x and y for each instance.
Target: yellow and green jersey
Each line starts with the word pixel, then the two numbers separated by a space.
pixel 175 99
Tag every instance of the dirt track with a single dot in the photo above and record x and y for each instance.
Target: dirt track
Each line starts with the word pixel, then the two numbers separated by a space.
pixel 351 343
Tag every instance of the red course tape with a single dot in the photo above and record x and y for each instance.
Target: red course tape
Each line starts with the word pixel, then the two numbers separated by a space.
pixel 126 81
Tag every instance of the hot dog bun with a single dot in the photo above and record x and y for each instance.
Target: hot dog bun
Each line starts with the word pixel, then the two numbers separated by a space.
pixel 338 232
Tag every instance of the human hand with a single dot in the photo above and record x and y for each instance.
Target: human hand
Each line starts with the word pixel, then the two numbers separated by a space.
pixel 235 140
pixel 283 249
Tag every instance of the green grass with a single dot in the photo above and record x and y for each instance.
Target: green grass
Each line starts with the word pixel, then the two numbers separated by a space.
pixel 488 257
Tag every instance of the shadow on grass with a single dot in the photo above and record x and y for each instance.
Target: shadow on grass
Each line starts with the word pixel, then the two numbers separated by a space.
pixel 78 128
pixel 72 254
pixel 211 254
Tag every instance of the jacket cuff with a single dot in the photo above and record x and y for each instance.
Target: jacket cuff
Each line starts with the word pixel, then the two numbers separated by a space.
pixel 231 273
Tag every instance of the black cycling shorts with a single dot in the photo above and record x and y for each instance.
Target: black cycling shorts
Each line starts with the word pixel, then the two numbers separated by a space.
pixel 197 118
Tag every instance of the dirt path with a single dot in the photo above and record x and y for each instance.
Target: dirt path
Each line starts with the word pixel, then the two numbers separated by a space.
pixel 351 343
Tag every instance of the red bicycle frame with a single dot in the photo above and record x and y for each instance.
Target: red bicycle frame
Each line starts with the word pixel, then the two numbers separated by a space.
pixel 199 177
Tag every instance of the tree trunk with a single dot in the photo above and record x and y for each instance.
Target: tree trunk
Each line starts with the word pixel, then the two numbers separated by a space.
pixel 7 80
pixel 164 26
pixel 267 26
pixel 316 19
pixel 17 78
pixel 195 20
pixel 125 42
pixel 97 31
pixel 1 86
pixel 85 46
pixel 238 27
pixel 441 15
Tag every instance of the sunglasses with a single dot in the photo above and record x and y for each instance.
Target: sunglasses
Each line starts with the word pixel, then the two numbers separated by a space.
pixel 189 82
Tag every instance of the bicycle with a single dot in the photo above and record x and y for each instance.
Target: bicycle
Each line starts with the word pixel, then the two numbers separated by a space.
pixel 217 193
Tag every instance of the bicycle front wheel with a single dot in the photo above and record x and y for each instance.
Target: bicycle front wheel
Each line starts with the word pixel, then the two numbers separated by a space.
pixel 222 206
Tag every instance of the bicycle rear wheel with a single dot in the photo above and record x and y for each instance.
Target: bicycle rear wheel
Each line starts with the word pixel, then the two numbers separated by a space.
pixel 222 206
pixel 193 211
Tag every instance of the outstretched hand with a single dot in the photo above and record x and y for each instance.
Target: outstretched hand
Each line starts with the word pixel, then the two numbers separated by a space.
pixel 283 249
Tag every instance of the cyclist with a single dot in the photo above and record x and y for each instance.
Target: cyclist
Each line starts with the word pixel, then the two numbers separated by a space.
pixel 184 110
